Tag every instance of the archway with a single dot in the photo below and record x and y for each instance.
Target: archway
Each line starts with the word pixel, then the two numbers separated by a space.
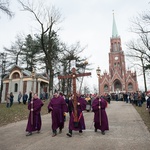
pixel 106 88
pixel 130 87
pixel 117 86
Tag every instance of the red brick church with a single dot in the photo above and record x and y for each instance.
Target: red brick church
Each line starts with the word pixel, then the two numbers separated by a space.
pixel 118 79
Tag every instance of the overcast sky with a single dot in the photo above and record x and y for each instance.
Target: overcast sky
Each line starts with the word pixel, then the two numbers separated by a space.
pixel 86 21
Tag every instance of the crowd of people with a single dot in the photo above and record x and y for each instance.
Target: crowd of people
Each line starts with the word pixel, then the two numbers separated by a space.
pixel 135 98
pixel 23 98
pixel 59 105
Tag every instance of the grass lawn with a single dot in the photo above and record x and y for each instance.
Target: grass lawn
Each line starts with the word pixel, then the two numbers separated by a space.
pixel 20 112
pixel 144 114
pixel 17 112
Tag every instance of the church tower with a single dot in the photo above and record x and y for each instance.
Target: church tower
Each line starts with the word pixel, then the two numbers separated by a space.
pixel 116 61
pixel 118 80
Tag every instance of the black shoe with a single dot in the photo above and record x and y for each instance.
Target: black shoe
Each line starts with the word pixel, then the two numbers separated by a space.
pixel 95 130
pixel 29 133
pixel 103 132
pixel 69 134
pixel 80 131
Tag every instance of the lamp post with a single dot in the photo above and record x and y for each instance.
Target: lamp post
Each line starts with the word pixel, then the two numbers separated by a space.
pixel 98 71
pixel 33 77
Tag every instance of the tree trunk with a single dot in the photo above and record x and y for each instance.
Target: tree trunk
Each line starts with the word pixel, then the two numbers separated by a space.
pixel 144 76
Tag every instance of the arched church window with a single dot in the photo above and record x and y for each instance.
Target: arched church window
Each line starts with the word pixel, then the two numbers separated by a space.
pixel 105 87
pixel 16 87
pixel 15 75
pixel 130 87
pixel 115 47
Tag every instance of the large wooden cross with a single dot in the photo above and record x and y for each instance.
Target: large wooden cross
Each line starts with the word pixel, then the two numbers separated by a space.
pixel 73 76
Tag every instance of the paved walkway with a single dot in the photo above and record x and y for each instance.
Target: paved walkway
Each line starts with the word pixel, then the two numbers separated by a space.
pixel 127 132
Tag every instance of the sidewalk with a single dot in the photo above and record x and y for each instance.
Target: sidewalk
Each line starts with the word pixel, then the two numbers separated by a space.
pixel 127 132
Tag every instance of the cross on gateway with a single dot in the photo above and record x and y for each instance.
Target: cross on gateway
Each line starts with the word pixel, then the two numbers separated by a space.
pixel 73 76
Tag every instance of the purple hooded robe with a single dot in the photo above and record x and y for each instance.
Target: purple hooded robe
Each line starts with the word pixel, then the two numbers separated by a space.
pixel 58 107
pixel 34 119
pixel 80 108
pixel 104 120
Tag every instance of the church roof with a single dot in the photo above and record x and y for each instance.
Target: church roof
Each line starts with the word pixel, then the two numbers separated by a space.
pixel 114 28
pixel 28 73
pixel 25 72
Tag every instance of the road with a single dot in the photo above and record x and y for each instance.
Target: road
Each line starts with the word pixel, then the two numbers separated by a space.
pixel 127 132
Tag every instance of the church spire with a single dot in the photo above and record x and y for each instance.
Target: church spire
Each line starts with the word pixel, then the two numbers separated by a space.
pixel 114 28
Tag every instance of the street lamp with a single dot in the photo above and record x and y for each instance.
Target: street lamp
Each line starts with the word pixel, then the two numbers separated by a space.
pixel 33 76
pixel 98 71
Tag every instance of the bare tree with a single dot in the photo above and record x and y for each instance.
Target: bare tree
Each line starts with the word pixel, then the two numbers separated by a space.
pixel 14 52
pixel 139 48
pixel 70 53
pixel 4 7
pixel 47 18
pixel 54 50
pixel 138 61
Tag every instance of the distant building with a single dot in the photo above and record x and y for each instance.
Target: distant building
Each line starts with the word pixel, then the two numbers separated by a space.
pixel 118 79
pixel 19 79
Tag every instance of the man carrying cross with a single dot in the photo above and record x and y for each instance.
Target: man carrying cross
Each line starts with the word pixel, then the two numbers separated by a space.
pixel 79 124
pixel 77 104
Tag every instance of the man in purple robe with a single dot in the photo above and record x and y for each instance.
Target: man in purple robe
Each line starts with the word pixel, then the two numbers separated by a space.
pixel 80 125
pixel 100 116
pixel 57 106
pixel 34 119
